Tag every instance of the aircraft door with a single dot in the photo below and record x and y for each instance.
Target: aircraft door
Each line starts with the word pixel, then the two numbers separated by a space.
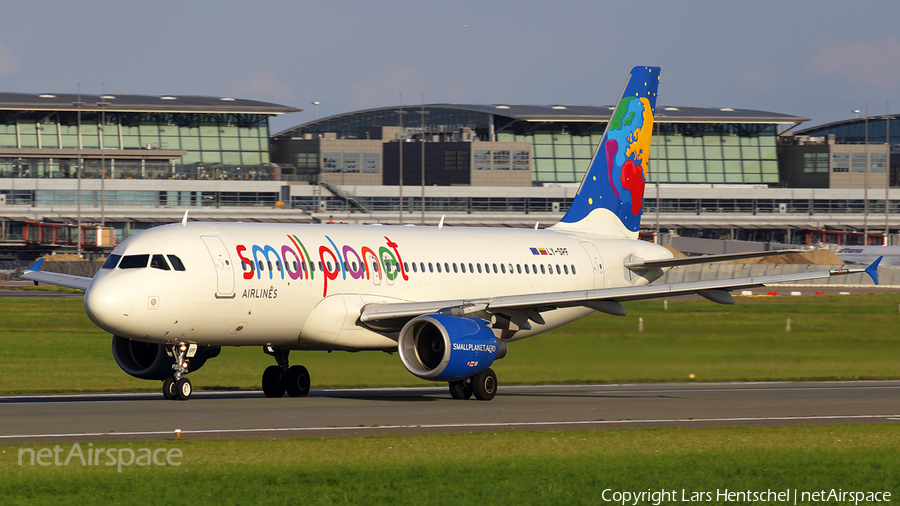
pixel 224 270
pixel 596 263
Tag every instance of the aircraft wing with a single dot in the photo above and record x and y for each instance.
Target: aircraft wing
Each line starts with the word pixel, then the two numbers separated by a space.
pixel 702 259
pixel 35 274
pixel 524 308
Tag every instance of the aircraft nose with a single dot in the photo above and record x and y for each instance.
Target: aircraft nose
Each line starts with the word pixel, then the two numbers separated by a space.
pixel 108 302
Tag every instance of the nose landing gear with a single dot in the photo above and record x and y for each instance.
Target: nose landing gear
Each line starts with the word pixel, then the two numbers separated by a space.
pixel 178 386
pixel 281 378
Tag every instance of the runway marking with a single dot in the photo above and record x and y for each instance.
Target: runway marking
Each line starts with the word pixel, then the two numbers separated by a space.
pixel 601 388
pixel 459 426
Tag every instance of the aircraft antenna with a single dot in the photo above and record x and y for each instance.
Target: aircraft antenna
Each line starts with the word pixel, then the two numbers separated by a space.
pixel 441 224
pixel 184 220
pixel 536 224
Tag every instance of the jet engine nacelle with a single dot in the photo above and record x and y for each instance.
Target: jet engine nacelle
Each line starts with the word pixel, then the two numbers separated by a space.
pixel 441 347
pixel 150 360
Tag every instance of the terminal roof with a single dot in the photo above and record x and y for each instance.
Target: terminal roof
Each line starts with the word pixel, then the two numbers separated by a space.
pixel 138 103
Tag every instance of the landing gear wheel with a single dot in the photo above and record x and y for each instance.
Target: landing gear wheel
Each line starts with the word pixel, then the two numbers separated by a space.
pixel 169 388
pixel 461 389
pixel 484 385
pixel 296 381
pixel 183 389
pixel 273 382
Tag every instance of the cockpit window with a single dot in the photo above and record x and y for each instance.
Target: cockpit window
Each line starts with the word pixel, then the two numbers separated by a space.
pixel 159 262
pixel 111 262
pixel 176 262
pixel 134 261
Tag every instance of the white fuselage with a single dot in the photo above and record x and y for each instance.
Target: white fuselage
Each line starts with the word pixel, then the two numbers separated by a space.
pixel 868 254
pixel 219 299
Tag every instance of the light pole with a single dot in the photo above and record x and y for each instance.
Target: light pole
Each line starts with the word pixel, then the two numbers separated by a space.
pixel 78 104
pixel 316 104
pixel 102 104
pixel 422 113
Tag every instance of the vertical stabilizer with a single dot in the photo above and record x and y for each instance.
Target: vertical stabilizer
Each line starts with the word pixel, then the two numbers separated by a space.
pixel 611 195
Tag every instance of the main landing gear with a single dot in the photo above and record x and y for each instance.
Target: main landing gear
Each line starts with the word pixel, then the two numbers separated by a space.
pixel 178 387
pixel 483 385
pixel 281 378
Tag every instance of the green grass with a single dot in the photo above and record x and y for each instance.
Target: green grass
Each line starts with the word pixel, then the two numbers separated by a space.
pixel 566 467
pixel 49 345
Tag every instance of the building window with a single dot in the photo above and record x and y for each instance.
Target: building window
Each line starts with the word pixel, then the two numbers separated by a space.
pixel 501 159
pixel 858 162
pixel 878 162
pixel 521 160
pixel 815 162
pixel 351 163
pixel 481 159
pixel 840 162
pixel 307 160
pixel 371 163
pixel 331 162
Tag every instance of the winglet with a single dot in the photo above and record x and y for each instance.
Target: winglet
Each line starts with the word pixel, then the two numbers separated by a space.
pixel 36 267
pixel 872 270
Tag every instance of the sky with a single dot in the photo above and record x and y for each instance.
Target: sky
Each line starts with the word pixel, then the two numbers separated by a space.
pixel 815 59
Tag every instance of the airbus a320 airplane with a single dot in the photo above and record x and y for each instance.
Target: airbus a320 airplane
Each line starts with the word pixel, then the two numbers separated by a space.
pixel 449 300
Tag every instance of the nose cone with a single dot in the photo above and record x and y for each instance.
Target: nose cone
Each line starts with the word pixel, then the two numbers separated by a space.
pixel 108 302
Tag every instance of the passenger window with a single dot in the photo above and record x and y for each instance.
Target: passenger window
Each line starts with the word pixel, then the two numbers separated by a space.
pixel 534 268
pixel 295 266
pixel 479 268
pixel 487 268
pixel 134 261
pixel 454 268
pixel 430 269
pixel 405 267
pixel 471 269
pixel 462 267
pixel 159 262
pixel 542 269
pixel 269 263
pixel 557 269
pixel 519 268
pixel 278 265
pixel 526 269
pixel 328 265
pixel 503 268
pixel 262 267
pixel 414 267
pixel 111 262
pixel 573 270
pixel 312 267
pixel 422 266
pixel 446 267
pixel 176 262
pixel 439 267
pixel 566 268
pixel 549 268
pixel 375 266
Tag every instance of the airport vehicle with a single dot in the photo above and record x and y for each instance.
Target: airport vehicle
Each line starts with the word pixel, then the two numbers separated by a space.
pixel 448 299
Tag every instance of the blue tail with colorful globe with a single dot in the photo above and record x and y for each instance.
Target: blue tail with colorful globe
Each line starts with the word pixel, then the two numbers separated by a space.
pixel 611 195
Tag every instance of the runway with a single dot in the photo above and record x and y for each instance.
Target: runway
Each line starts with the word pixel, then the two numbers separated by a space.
pixel 30 419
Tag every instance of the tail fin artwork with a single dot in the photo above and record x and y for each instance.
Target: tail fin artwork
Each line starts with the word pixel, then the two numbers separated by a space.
pixel 611 195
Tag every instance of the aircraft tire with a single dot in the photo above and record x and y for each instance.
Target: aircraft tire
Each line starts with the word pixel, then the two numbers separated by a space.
pixel 273 382
pixel 296 381
pixel 484 385
pixel 168 388
pixel 183 389
pixel 459 390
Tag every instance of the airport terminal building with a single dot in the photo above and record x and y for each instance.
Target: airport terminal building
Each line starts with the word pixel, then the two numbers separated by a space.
pixel 145 159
